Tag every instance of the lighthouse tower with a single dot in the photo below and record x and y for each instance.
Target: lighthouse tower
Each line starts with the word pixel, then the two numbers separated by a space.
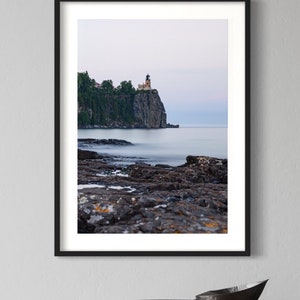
pixel 146 85
pixel 148 82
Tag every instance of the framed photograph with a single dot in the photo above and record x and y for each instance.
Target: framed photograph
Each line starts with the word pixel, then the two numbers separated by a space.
pixel 152 128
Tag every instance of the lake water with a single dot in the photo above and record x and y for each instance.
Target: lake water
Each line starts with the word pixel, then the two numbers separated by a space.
pixel 160 146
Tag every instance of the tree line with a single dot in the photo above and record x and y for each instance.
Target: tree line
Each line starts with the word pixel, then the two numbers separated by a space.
pixel 103 104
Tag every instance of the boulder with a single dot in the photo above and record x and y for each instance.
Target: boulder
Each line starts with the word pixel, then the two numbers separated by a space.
pixel 84 154
pixel 211 169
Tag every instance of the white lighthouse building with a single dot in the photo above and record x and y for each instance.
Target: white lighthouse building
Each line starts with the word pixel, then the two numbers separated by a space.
pixel 147 85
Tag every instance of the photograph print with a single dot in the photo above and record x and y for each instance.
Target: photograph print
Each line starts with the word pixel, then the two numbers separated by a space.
pixel 153 127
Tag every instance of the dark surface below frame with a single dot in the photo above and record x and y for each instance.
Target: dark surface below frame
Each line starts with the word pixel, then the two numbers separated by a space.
pixel 57 250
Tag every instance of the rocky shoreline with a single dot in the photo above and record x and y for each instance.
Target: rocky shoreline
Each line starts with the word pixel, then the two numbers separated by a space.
pixel 140 198
pixel 118 125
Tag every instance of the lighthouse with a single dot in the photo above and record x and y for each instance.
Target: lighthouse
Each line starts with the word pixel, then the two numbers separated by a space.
pixel 148 82
pixel 146 85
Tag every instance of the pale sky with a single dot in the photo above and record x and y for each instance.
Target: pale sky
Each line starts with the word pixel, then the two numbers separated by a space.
pixel 187 61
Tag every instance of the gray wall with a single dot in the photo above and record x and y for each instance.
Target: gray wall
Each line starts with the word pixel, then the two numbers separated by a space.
pixel 28 268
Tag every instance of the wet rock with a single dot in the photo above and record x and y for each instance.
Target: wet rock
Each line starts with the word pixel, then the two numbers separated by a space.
pixel 148 214
pixel 173 199
pixel 84 154
pixel 146 202
pixel 215 169
pixel 124 214
pixel 153 199
pixel 202 202
pixel 149 227
pixel 164 166
pixel 83 225
pixel 111 229
pixel 104 142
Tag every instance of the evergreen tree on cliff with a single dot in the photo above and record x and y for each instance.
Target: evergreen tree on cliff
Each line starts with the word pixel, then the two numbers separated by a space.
pixel 104 106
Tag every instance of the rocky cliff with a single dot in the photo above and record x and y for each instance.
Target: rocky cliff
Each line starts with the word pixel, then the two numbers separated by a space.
pixel 106 106
pixel 148 110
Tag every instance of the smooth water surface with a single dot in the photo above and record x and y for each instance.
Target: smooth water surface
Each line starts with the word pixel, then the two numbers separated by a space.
pixel 160 146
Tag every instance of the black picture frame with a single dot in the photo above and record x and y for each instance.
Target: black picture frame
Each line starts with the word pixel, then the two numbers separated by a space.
pixel 60 155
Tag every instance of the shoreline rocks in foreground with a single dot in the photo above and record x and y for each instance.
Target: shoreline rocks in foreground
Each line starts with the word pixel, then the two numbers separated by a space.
pixel 116 142
pixel 141 198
